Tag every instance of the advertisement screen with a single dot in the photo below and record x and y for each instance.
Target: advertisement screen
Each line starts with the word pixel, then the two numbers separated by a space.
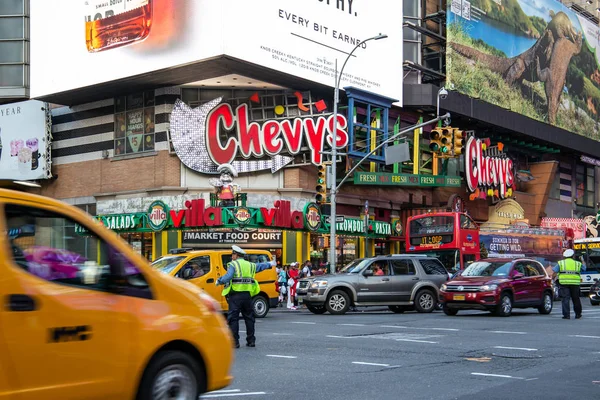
pixel 103 41
pixel 24 141
pixel 503 246
pixel 534 57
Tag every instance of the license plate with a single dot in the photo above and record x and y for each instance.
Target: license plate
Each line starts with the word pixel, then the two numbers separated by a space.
pixel 458 297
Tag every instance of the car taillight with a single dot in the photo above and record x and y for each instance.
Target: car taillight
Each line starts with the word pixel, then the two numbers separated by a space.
pixel 210 303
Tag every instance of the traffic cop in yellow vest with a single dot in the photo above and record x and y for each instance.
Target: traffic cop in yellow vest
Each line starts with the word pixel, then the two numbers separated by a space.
pixel 569 279
pixel 240 287
pixel 569 270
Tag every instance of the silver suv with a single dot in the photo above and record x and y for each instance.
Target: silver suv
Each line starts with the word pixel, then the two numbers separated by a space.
pixel 402 282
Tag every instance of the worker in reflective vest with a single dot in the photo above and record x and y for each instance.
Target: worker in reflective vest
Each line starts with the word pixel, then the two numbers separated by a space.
pixel 569 279
pixel 240 287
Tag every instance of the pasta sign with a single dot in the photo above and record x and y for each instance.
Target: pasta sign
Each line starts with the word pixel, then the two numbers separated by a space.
pixel 488 171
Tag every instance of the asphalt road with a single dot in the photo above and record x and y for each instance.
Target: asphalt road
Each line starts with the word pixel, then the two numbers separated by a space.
pixel 381 355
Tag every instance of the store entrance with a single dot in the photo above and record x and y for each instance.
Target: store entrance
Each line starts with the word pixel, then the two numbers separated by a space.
pixel 140 242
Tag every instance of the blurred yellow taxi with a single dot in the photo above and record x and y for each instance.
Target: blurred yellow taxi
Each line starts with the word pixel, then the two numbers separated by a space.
pixel 85 317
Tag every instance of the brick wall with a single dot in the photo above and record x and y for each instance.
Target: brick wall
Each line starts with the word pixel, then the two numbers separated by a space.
pixel 105 176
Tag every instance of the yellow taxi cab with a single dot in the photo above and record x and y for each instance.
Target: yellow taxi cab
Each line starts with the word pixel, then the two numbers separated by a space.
pixel 85 317
pixel 204 267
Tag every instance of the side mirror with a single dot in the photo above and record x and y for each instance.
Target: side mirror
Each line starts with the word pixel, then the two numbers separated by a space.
pixel 516 275
pixel 368 272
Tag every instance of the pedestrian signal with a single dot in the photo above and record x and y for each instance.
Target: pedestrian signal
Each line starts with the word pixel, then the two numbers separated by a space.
pixel 321 188
pixel 458 141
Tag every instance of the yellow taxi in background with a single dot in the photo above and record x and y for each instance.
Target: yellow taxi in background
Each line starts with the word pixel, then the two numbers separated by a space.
pixel 204 267
pixel 85 317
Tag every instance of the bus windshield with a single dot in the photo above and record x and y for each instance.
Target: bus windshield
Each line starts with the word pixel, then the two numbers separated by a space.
pixel 593 263
pixel 432 224
pixel 450 259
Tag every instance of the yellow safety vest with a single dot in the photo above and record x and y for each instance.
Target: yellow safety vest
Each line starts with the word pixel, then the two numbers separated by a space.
pixel 243 278
pixel 569 272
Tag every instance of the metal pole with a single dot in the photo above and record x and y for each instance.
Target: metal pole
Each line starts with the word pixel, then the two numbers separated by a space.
pixel 332 217
pixel 333 193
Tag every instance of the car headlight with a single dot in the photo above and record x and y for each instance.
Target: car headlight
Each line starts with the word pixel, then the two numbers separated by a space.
pixel 488 288
pixel 443 287
pixel 318 284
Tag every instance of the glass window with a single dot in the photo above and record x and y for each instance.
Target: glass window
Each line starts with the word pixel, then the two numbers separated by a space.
pixel 403 267
pixel 12 28
pixel 12 7
pixel 11 75
pixel 585 185
pixel 433 267
pixel 531 269
pixel 253 258
pixel 12 52
pixel 167 264
pixel 379 268
pixel 484 268
pixel 56 249
pixel 195 268
pixel 134 123
pixel 436 224
pixel 467 223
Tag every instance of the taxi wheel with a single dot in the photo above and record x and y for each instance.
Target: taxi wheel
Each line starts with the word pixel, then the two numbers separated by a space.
pixel 171 374
pixel 260 306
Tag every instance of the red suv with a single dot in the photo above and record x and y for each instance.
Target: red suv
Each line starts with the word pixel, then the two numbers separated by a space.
pixel 499 285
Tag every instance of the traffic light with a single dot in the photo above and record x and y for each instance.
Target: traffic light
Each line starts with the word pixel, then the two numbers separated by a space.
pixel 446 140
pixel 321 188
pixel 458 141
pixel 434 140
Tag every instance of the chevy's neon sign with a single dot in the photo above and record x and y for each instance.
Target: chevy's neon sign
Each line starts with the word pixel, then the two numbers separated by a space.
pixel 487 171
pixel 252 140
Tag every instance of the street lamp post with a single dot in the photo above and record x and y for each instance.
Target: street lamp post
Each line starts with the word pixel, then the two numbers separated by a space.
pixel 332 239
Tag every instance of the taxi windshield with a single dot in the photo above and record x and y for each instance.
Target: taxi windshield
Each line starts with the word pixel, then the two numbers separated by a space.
pixel 484 268
pixel 167 264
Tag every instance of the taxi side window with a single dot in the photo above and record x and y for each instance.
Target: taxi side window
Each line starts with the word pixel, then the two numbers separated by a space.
pixel 55 248
pixel 195 268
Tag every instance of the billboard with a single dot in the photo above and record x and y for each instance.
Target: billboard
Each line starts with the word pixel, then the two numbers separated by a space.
pixel 508 246
pixel 25 141
pixel 534 57
pixel 103 41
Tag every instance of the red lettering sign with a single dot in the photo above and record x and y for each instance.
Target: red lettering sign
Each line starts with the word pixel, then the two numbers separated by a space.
pixel 272 138
pixel 487 169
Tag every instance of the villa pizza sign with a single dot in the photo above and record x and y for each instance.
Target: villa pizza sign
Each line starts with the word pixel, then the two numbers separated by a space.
pixel 489 171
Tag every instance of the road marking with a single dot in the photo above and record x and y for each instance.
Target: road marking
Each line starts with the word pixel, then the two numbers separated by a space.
pixel 302 322
pixel 351 324
pixel 515 348
pixel 340 337
pixel 412 327
pixel 283 334
pixel 496 375
pixel 225 391
pixel 280 356
pixel 211 396
pixel 585 336
pixel 510 332
pixel 413 340
pixel 368 363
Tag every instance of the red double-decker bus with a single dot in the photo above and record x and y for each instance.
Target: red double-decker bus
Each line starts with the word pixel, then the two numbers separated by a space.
pixel 450 236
